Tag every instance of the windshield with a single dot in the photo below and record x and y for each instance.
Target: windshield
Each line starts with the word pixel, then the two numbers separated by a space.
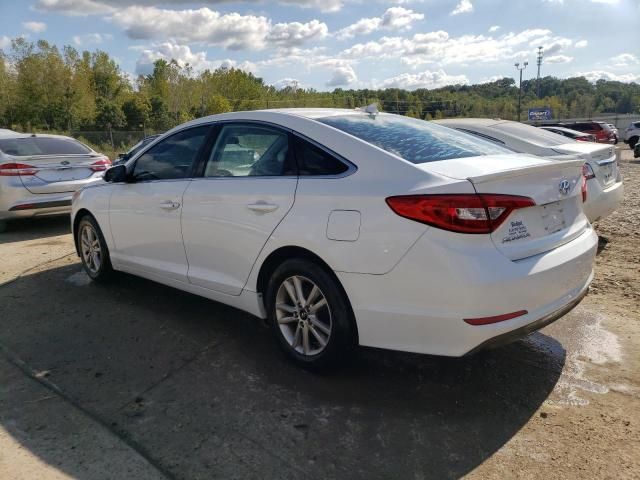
pixel 527 133
pixel 416 141
pixel 23 147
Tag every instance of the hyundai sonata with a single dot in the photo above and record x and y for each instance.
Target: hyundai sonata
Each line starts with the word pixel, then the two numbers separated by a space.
pixel 346 227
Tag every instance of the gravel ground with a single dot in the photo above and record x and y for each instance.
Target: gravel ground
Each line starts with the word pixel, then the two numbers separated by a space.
pixel 136 380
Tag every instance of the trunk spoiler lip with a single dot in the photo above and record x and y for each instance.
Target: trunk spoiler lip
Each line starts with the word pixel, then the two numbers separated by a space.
pixel 520 171
pixel 24 158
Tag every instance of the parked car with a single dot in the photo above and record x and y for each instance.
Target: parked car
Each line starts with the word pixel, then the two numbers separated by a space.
pixel 602 133
pixel 614 130
pixel 346 227
pixel 604 189
pixel 39 173
pixel 123 157
pixel 572 134
pixel 632 134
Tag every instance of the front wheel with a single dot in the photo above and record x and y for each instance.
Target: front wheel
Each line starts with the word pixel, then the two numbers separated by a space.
pixel 93 250
pixel 3 226
pixel 310 315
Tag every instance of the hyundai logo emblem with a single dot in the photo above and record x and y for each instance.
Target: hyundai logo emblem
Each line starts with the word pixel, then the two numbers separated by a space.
pixel 564 187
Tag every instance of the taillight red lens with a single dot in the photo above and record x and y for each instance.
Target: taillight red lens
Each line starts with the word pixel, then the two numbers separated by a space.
pixel 101 165
pixel 584 189
pixel 15 169
pixel 462 213
pixel 587 171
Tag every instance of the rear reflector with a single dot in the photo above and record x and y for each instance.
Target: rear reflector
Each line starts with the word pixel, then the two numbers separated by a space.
pixel 16 169
pixel 462 213
pixel 496 319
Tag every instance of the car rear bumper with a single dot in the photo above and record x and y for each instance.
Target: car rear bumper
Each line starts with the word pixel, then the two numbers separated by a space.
pixel 602 201
pixel 420 305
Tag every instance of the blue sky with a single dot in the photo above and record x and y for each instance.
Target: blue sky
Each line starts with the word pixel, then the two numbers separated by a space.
pixel 326 44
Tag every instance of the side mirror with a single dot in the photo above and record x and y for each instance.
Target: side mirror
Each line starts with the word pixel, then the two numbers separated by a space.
pixel 116 174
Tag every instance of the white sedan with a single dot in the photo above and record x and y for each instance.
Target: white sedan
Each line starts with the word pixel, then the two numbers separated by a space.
pixel 345 227
pixel 604 183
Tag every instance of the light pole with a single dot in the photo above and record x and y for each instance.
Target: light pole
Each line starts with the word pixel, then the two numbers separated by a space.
pixel 540 53
pixel 520 69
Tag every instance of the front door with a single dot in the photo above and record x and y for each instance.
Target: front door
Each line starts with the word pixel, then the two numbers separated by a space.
pixel 145 213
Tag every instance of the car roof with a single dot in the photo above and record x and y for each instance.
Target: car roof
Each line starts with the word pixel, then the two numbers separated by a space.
pixel 12 134
pixel 477 122
pixel 563 129
pixel 5 132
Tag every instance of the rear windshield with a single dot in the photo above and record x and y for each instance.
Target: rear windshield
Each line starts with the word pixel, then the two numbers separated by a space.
pixel 23 147
pixel 527 133
pixel 416 141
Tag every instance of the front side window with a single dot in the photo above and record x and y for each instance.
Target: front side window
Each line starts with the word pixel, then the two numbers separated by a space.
pixel 173 157
pixel 25 147
pixel 250 151
pixel 416 141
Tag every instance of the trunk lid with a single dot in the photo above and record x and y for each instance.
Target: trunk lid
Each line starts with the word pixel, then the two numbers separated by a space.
pixel 57 173
pixel 601 158
pixel 555 186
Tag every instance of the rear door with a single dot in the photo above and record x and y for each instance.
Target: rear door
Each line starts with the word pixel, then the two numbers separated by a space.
pixel 59 164
pixel 145 213
pixel 247 187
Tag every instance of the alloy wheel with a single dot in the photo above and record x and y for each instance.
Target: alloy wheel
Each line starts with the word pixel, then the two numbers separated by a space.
pixel 90 248
pixel 303 315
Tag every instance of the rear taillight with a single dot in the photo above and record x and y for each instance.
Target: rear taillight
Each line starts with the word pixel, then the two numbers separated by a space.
pixel 587 174
pixel 101 165
pixel 462 213
pixel 16 169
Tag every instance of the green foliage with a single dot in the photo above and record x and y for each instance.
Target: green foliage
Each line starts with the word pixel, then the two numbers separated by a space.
pixel 44 88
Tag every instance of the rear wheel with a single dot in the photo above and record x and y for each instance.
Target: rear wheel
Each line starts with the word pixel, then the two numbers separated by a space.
pixel 310 315
pixel 93 250
pixel 3 226
pixel 632 142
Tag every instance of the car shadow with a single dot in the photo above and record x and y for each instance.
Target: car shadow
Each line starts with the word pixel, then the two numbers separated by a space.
pixel 203 390
pixel 34 228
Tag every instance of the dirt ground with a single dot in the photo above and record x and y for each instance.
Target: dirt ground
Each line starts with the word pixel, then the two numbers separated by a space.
pixel 136 380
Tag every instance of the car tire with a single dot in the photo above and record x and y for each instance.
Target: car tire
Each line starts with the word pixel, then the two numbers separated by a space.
pixel 93 250
pixel 310 315
pixel 632 142
pixel 3 226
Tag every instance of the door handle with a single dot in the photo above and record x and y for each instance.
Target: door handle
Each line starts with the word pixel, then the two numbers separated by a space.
pixel 169 205
pixel 262 207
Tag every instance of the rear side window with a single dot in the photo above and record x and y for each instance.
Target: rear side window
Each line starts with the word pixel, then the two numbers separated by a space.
pixel 172 157
pixel 24 147
pixel 416 141
pixel 315 161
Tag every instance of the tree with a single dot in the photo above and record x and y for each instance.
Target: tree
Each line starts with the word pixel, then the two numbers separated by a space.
pixel 137 110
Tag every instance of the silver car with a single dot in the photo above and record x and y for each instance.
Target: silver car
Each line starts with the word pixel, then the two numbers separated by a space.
pixel 39 173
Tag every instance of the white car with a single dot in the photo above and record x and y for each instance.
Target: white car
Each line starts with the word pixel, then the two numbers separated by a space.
pixel 632 134
pixel 344 227
pixel 604 183
pixel 39 173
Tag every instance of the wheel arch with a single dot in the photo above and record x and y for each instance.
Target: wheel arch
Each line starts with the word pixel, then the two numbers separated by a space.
pixel 279 255
pixel 76 221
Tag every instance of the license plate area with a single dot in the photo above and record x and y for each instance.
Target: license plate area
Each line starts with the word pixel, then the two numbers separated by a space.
pixel 607 173
pixel 553 217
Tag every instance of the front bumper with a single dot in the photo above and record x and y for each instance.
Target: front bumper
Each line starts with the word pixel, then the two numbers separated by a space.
pixel 420 305
pixel 602 201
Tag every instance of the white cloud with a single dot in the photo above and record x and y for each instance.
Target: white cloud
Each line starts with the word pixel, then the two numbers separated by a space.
pixel 295 33
pixel 441 48
pixel 183 56
pixel 581 44
pixel 91 38
pixel 559 59
pixel 465 6
pixel 342 73
pixel 95 7
pixel 426 79
pixel 5 42
pixel 231 30
pixel 625 60
pixel 286 82
pixel 596 75
pixel 35 27
pixel 494 28
pixel 394 18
